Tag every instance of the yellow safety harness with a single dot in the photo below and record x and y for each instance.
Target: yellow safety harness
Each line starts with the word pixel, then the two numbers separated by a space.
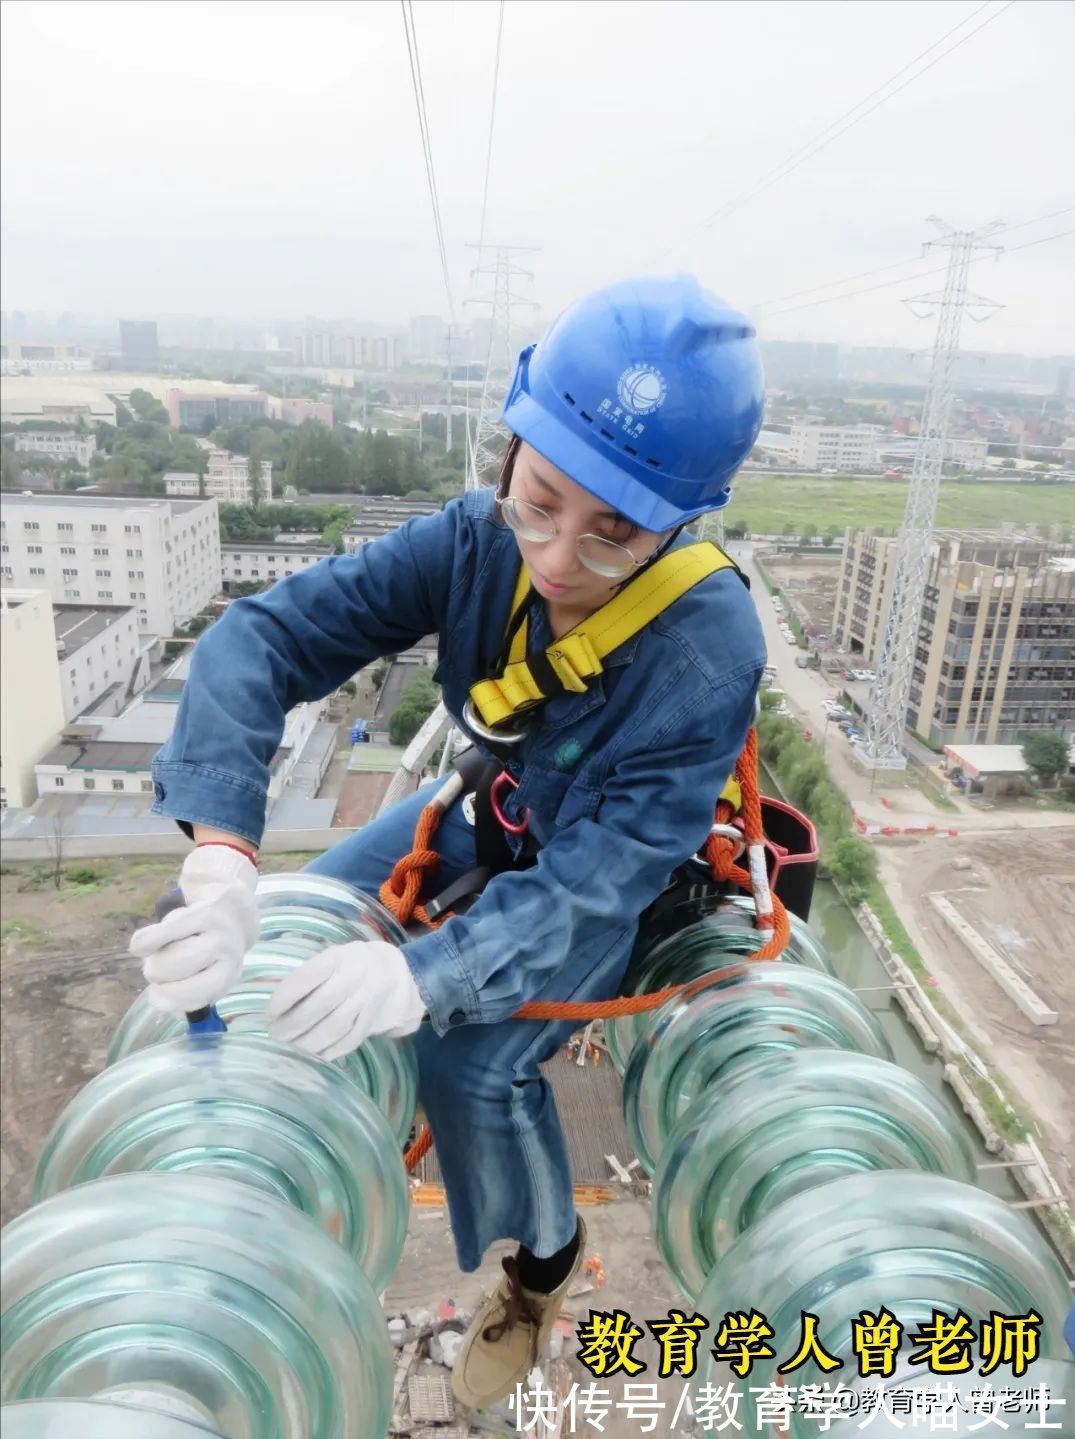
pixel 574 659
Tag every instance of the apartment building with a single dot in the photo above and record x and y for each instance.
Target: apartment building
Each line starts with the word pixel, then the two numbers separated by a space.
pixel 996 646
pixel 160 556
pixel 267 561
pixel 31 715
pixel 58 445
pixel 227 479
pixel 847 448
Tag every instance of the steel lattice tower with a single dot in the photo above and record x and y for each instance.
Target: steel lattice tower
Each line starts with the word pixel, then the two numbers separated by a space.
pixel 486 445
pixel 891 691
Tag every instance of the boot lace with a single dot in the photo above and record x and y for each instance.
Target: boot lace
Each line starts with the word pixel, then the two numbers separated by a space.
pixel 516 1307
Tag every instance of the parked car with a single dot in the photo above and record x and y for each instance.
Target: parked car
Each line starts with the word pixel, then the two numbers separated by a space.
pixel 801 661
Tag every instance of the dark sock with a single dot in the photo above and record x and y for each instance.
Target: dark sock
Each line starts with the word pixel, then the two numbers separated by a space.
pixel 545 1275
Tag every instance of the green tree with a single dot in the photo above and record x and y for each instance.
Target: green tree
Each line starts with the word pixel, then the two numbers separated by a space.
pixel 9 468
pixel 1048 753
pixel 146 407
pixel 854 864
pixel 808 534
pixel 829 536
pixel 384 465
pixel 332 535
pixel 254 476
pixel 417 703
pixel 319 461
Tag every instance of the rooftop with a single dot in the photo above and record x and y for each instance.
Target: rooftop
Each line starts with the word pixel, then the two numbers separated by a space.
pixel 101 754
pixel 103 502
pixel 77 625
pixel 979 759
pixel 274 546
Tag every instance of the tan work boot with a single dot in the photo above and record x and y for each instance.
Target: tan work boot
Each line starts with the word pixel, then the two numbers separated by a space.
pixel 508 1335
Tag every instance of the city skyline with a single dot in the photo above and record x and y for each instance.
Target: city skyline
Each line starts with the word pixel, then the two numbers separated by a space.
pixel 328 211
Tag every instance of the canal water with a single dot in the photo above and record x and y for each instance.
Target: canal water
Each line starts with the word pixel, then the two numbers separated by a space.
pixel 857 964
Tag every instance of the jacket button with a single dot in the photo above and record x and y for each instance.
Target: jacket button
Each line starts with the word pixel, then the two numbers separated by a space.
pixel 457 1017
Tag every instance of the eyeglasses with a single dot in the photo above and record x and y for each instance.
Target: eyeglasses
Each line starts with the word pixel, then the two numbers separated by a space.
pixel 603 557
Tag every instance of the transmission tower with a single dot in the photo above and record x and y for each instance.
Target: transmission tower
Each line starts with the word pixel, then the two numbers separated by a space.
pixel 891 691
pixel 485 445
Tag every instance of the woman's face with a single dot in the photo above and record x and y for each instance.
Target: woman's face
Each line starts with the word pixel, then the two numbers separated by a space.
pixel 554 566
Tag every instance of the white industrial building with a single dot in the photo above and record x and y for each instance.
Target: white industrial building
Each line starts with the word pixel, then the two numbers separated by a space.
pixel 846 448
pixel 116 755
pixel 967 451
pixel 58 445
pixel 161 556
pixel 55 405
pixel 266 561
pixel 31 715
pixel 28 358
pixel 103 661
pixel 227 479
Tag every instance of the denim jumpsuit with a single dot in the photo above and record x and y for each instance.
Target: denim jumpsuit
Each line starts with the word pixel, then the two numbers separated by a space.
pixel 620 783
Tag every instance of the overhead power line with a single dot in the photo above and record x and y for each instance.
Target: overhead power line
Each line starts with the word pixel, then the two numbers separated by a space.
pixel 427 145
pixel 856 113
pixel 918 275
pixel 896 265
pixel 492 123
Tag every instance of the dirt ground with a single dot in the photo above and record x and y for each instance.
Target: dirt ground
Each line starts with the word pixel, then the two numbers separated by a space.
pixel 811 582
pixel 1019 891
pixel 66 980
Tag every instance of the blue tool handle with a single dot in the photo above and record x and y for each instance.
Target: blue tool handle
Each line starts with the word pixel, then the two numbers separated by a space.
pixel 205 1020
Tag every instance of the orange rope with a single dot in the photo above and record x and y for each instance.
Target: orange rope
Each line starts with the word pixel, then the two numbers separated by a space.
pixel 400 892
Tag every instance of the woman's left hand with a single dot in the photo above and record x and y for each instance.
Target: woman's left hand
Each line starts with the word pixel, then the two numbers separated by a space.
pixel 337 999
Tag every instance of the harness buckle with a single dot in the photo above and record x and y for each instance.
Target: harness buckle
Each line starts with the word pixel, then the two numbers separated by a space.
pixel 502 779
pixel 485 732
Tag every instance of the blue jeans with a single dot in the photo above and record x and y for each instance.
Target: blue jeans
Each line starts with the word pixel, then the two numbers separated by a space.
pixel 499 1142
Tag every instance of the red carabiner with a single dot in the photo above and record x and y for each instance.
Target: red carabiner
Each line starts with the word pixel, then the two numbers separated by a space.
pixel 495 791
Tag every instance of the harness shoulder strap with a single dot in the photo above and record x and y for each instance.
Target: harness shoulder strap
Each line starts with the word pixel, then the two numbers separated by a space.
pixel 572 660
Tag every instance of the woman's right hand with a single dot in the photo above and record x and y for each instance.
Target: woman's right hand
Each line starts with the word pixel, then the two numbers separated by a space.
pixel 194 955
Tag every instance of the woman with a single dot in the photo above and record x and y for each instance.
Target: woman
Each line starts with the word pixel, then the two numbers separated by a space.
pixel 629 420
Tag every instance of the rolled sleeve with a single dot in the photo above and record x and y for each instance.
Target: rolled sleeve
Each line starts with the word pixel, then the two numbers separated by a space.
pixel 296 643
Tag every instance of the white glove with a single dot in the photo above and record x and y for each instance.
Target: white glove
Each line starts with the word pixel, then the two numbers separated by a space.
pixel 335 1000
pixel 195 954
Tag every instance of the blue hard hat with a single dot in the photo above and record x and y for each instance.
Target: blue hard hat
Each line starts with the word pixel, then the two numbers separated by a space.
pixel 648 393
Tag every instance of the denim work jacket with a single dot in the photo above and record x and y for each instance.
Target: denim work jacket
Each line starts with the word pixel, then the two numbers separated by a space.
pixel 620 781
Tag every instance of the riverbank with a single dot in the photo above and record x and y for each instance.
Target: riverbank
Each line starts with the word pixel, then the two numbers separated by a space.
pixel 1029 1139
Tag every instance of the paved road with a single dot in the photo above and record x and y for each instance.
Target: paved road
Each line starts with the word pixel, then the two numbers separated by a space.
pixel 391 692
pixel 806 691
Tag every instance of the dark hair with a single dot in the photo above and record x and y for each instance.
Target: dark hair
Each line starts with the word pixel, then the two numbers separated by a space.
pixel 507 464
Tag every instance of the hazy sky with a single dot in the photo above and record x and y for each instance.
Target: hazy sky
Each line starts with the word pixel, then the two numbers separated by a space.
pixel 263 159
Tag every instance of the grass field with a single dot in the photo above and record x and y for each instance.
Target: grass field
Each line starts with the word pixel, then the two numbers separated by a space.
pixel 769 502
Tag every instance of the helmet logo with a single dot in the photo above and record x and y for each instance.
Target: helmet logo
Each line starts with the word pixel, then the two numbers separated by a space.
pixel 641 389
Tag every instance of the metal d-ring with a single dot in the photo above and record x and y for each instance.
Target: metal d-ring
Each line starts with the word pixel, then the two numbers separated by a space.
pixel 726 831
pixel 492 736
